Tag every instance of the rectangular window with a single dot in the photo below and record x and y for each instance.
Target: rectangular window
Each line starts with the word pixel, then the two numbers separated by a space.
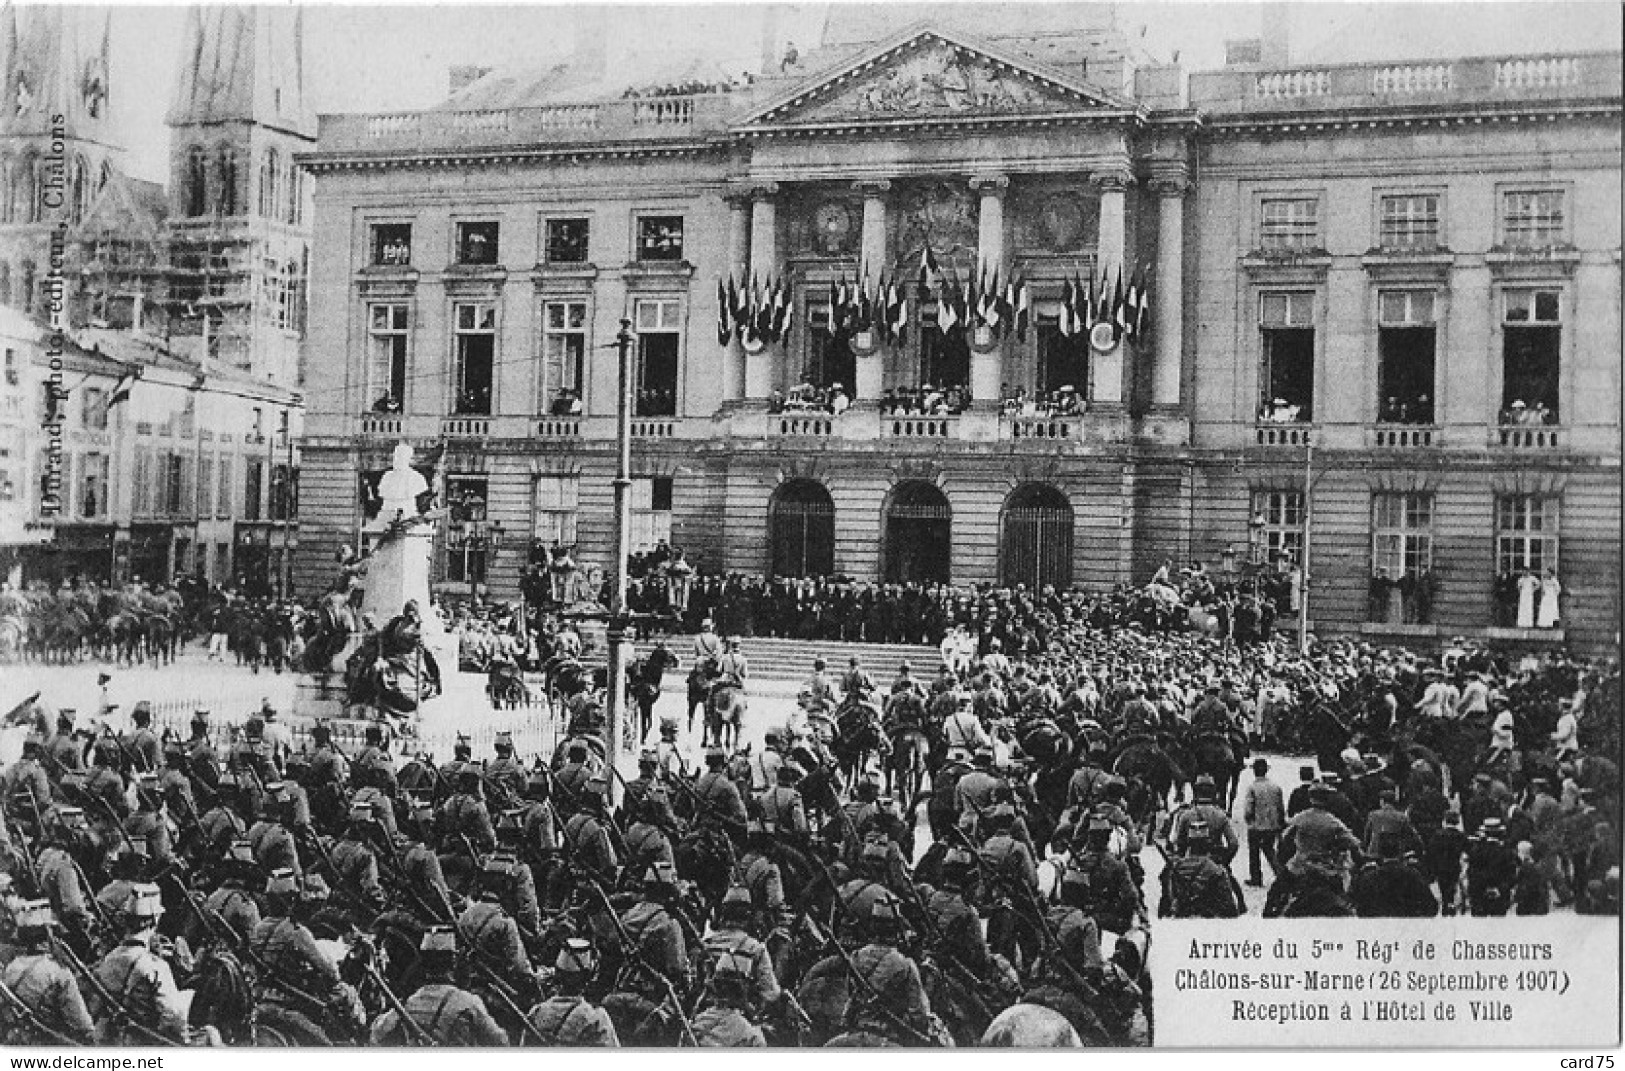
pixel 1402 534
pixel 253 486
pixel 564 356
pixel 392 244
pixel 1289 223
pixel 1277 524
pixel 1287 377
pixel 1526 534
pixel 93 485
pixel 657 325
pixel 1063 361
pixel 225 485
pixel 1531 356
pixel 466 547
pixel 175 484
pixel 477 243
pixel 205 485
pixel 558 501
pixel 1532 218
pixel 13 372
pixel 565 241
pixel 1406 345
pixel 386 359
pixel 651 512
pixel 476 340
pixel 830 359
pixel 95 409
pixel 1410 221
pixel 660 238
pixel 282 505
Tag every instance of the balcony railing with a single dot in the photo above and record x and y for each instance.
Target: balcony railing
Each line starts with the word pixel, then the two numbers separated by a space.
pixel 381 424
pixel 466 427
pixel 1054 428
pixel 802 425
pixel 654 427
pixel 1402 436
pixel 558 428
pixel 1535 438
pixel 919 427
pixel 1328 87
pixel 1279 435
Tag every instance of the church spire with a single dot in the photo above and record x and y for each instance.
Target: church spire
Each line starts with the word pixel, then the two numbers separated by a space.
pixel 54 66
pixel 243 63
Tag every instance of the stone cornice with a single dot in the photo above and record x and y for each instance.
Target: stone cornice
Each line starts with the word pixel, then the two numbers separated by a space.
pixel 927 124
pixel 319 163
pixel 1411 118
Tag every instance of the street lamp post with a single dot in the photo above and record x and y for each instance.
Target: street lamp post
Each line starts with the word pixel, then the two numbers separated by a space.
pixel 616 633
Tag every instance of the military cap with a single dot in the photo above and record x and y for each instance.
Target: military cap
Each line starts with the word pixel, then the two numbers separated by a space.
pixel 35 915
pixel 1492 827
pixel 876 849
pixel 576 957
pixel 648 756
pixel 200 716
pixel 500 865
pixel 597 785
pixel 884 913
pixel 715 752
pixel 241 852
pixel 736 900
pixel 439 939
pixel 660 874
pixel 283 882
pixel 145 902
pixel 361 811
pixel 70 817
pixel 504 740
pixel 758 826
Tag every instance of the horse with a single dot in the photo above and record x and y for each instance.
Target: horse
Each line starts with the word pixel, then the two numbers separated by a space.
pixel 858 736
pixel 1215 755
pixel 158 630
pixel 700 676
pixel 908 764
pixel 643 688
pixel 724 711
pixel 1143 758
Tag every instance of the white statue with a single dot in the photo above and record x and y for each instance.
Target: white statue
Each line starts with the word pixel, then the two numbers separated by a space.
pixel 400 487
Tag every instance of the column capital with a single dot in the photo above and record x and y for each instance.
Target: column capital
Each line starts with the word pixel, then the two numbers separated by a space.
pixel 1112 181
pixel 1169 186
pixel 872 187
pixel 752 190
pixel 990 185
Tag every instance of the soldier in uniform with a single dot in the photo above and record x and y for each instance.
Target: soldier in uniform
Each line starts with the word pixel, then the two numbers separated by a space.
pixel 492 935
pixel 375 756
pixel 648 774
pixel 62 753
pixel 462 755
pixel 588 835
pixel 149 824
pixel 1205 809
pixel 1492 870
pixel 1392 887
pixel 1194 886
pixel 375 792
pixel 60 879
pixel 759 873
pixel 440 1012
pixel 354 862
pixel 25 783
pixel 233 902
pixel 716 799
pixel 1108 892
pixel 888 997
pixel 568 1019
pixel 222 823
pixel 41 1003
pixel 176 784
pixel 955 919
pixel 144 743
pixel 573 776
pixel 649 837
pixel 463 826
pixel 284 945
pixel 272 837
pixel 782 806
pixel 722 1024
pixel 139 984
pixel 202 763
pixel 656 932
pixel 1007 856
pixel 732 938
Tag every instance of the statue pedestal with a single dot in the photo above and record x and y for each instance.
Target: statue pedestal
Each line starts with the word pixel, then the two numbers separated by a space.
pixel 398 573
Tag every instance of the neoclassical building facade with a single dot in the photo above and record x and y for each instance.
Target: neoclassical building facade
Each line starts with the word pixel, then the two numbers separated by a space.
pixel 1349 273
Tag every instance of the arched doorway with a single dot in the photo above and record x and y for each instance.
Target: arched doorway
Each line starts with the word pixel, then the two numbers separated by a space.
pixel 801 530
pixel 918 527
pixel 1035 540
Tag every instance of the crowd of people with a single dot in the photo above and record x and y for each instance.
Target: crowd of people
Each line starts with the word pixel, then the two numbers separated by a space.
pixel 1062 401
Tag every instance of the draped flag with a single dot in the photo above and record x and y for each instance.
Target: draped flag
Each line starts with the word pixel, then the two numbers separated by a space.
pixel 736 310
pixel 897 313
pixel 121 389
pixel 1023 311
pixel 1142 308
pixel 782 312
pixel 725 327
pixel 930 274
pixel 1131 304
pixel 947 308
pixel 1119 309
pixel 1068 325
pixel 990 305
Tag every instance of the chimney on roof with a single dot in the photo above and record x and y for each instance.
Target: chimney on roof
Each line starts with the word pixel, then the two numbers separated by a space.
pixel 465 75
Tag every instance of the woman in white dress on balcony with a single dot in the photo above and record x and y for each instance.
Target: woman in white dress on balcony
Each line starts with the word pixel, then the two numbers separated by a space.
pixel 1550 591
pixel 1528 588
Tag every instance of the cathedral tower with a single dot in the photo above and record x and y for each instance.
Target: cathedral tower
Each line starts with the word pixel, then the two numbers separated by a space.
pixel 239 220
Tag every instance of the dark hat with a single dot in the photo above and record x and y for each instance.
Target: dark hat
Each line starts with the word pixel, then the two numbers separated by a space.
pixel 441 940
pixel 576 957
pixel 736 901
pixel 1261 767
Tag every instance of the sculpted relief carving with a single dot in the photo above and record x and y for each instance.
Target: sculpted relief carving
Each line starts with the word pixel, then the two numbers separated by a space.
pixel 940 214
pixel 942 79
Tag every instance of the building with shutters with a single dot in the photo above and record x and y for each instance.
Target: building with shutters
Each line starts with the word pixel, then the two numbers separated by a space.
pixel 200 283
pixel 1383 299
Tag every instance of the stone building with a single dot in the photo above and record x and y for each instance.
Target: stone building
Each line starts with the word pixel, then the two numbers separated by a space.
pixel 201 284
pixel 1377 260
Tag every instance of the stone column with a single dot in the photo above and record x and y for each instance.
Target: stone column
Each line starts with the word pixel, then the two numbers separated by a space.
pixel 733 357
pixel 872 260
pixel 764 253
pixel 987 367
pixel 1168 288
pixel 1106 372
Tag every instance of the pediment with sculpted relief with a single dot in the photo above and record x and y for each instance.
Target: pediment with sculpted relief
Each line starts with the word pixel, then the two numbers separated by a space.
pixel 930 75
